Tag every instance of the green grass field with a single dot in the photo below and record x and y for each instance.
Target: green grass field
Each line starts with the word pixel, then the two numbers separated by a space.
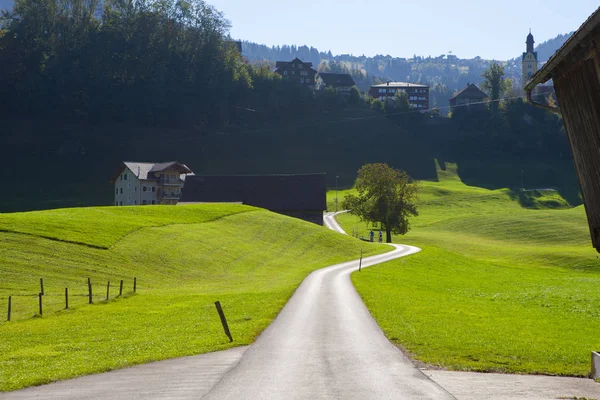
pixel 498 286
pixel 185 258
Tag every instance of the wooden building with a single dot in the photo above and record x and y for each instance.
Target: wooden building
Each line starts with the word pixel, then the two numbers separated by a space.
pixel 300 196
pixel 469 95
pixel 418 95
pixel 297 71
pixel 575 71
pixel 342 83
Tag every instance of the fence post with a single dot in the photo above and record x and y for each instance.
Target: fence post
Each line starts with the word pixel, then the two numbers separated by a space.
pixel 9 307
pixel 360 261
pixel 121 288
pixel 40 297
pixel 89 291
pixel 66 298
pixel 134 284
pixel 42 286
pixel 223 320
pixel 107 290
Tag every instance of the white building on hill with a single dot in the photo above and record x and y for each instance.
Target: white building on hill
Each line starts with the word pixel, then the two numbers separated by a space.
pixel 139 183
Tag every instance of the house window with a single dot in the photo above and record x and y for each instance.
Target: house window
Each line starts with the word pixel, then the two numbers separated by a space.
pixel 120 203
pixel 284 73
pixel 392 90
pixel 144 188
pixel 529 66
pixel 129 185
pixel 153 202
pixel 121 190
pixel 116 190
pixel 305 73
pixel 135 202
pixel 135 188
pixel 381 90
pixel 121 177
pixel 154 190
pixel 116 203
pixel 124 176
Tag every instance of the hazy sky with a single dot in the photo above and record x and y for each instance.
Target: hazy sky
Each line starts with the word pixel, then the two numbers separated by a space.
pixel 468 28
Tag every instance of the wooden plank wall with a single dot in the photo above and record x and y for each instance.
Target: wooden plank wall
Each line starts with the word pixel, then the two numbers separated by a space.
pixel 578 92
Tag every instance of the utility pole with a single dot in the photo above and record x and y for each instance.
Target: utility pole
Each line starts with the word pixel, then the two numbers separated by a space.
pixel 336 193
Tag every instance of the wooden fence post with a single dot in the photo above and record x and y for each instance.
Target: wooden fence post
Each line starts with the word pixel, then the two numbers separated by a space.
pixel 40 297
pixel 42 286
pixel 9 307
pixel 134 284
pixel 66 298
pixel 89 291
pixel 223 320
pixel 121 288
pixel 107 290
pixel 360 261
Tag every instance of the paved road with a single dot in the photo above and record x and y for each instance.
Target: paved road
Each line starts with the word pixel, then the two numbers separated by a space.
pixel 325 344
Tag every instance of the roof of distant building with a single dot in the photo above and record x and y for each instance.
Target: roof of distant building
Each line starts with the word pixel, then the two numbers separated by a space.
pixel 471 91
pixel 296 60
pixel 273 192
pixel 145 170
pixel 400 85
pixel 337 79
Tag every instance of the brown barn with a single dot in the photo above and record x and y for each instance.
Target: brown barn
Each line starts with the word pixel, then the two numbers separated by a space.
pixel 575 71
pixel 300 196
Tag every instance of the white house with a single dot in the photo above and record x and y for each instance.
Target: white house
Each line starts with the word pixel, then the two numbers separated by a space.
pixel 139 183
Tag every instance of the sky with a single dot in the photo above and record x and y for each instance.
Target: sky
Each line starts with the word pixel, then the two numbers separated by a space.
pixel 467 28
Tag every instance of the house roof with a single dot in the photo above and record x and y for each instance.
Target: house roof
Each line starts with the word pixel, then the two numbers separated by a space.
pixel 545 73
pixel 337 79
pixel 471 91
pixel 145 170
pixel 400 85
pixel 273 192
pixel 295 61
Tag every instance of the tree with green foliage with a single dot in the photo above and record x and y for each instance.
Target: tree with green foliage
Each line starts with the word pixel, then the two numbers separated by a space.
pixel 386 196
pixel 494 83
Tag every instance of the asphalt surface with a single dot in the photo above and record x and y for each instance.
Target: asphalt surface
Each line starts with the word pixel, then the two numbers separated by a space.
pixel 325 345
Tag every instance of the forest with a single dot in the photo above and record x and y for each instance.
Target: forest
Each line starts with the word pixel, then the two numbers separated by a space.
pixel 86 85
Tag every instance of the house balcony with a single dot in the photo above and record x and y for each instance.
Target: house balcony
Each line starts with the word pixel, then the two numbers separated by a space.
pixel 171 182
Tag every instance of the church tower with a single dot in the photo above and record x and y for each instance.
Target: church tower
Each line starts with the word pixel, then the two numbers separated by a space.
pixel 530 60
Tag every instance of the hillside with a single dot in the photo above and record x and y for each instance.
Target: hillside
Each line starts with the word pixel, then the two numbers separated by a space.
pixel 499 287
pixel 249 259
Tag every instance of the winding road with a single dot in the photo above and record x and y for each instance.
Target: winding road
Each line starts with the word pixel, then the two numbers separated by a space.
pixel 325 345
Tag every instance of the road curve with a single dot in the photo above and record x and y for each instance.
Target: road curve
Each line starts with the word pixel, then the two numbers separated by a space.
pixel 325 344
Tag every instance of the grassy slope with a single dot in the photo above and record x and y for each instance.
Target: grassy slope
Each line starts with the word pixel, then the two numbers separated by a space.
pixel 498 287
pixel 251 260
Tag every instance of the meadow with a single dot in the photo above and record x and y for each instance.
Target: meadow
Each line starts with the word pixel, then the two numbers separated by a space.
pixel 184 258
pixel 506 282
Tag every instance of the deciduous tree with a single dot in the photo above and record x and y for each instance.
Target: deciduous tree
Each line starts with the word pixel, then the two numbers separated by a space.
pixel 386 196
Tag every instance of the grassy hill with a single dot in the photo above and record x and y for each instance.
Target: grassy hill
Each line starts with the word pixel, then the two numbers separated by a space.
pixel 184 258
pixel 498 287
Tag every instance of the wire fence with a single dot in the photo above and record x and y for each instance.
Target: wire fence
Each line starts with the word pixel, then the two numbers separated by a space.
pixel 50 300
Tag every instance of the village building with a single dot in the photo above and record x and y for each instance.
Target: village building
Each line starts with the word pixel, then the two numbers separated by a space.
pixel 300 196
pixel 418 95
pixel 530 60
pixel 141 183
pixel 297 71
pixel 342 83
pixel 469 95
pixel 575 72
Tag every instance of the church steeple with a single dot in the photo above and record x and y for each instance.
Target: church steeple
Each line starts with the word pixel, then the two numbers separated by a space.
pixel 530 42
pixel 530 60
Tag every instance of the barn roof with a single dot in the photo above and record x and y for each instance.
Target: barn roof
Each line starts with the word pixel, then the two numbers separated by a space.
pixel 273 192
pixel 472 91
pixel 337 79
